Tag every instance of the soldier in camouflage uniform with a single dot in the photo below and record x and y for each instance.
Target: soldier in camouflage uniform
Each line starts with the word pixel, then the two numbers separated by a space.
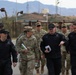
pixel 71 28
pixel 65 55
pixel 39 32
pixel 27 48
pixel 19 37
pixel 58 29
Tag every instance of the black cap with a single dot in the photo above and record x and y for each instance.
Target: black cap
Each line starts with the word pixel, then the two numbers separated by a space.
pixel 1 25
pixel 4 31
pixel 51 26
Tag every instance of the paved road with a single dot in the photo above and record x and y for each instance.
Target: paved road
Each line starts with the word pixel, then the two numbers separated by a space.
pixel 16 69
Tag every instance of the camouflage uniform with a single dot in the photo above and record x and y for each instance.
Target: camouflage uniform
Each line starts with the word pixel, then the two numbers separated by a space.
pixel 38 35
pixel 27 60
pixel 58 30
pixel 21 35
pixel 65 56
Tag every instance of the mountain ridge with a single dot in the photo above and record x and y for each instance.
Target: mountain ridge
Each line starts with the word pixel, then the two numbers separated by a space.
pixel 34 6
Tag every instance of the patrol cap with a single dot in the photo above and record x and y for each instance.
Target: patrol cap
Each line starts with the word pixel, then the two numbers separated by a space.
pixel 51 26
pixel 38 24
pixel 63 26
pixel 1 25
pixel 28 29
pixel 74 23
pixel 25 28
pixel 59 22
pixel 4 31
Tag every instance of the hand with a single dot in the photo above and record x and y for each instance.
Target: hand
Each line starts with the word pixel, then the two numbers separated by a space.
pixel 25 51
pixel 42 56
pixel 14 64
pixel 61 43
pixel 46 51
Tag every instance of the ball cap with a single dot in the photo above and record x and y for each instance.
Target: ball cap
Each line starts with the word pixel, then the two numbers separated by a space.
pixel 28 29
pixel 4 31
pixel 38 24
pixel 51 26
pixel 64 26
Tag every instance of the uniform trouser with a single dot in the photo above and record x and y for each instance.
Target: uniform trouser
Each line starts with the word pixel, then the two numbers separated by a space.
pixel 65 57
pixel 27 67
pixel 73 64
pixel 68 62
pixel 42 61
pixel 54 66
pixel 5 68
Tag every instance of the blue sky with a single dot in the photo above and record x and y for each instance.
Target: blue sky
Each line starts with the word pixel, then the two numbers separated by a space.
pixel 63 3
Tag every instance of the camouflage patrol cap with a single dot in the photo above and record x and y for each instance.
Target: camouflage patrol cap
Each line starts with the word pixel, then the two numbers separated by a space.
pixel 63 26
pixel 74 23
pixel 60 22
pixel 28 29
pixel 25 28
pixel 38 24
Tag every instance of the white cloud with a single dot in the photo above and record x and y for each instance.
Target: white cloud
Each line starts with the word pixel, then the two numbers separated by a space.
pixel 20 1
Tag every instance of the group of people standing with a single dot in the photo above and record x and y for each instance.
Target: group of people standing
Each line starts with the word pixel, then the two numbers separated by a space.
pixel 38 47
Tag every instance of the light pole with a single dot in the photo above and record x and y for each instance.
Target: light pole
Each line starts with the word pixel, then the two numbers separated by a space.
pixel 3 10
pixel 20 12
pixel 27 7
pixel 16 10
pixel 57 2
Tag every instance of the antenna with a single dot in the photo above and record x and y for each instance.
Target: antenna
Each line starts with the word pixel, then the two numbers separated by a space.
pixel 16 10
pixel 27 7
pixel 57 2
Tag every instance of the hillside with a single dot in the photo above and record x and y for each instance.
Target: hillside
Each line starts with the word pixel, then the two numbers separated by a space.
pixel 33 6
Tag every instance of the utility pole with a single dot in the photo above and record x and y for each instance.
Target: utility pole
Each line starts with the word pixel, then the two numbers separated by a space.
pixel 27 7
pixel 57 2
pixel 16 10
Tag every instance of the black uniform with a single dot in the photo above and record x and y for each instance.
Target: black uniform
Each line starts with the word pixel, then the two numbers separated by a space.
pixel 72 49
pixel 6 50
pixel 54 56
